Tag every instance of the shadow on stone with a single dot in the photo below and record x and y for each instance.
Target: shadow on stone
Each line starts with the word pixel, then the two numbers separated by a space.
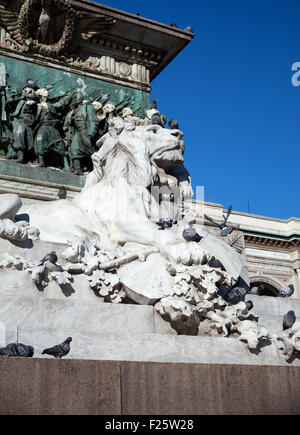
pixel 261 345
pixel 28 244
pixel 293 358
pixel 67 289
pixel 40 287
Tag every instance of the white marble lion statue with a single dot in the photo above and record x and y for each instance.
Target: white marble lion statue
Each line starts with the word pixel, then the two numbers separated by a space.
pixel 117 205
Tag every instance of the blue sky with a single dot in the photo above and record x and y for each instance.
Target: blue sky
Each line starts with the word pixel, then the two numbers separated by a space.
pixel 231 91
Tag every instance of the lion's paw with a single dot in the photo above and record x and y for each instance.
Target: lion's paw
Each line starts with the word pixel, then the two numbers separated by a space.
pixel 188 254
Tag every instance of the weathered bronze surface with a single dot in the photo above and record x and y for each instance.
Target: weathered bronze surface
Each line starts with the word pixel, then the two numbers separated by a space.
pixel 48 116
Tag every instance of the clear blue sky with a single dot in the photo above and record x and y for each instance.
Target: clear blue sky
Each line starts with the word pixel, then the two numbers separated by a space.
pixel 231 91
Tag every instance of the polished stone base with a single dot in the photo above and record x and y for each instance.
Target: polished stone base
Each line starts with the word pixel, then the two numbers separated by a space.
pixel 33 172
pixel 74 387
pixel 33 183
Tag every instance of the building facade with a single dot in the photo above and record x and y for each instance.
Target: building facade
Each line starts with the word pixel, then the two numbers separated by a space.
pixel 272 249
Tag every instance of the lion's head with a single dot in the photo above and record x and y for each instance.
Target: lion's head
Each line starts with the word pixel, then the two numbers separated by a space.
pixel 166 147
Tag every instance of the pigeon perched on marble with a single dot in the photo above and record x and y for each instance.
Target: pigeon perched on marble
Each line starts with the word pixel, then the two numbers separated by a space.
pixel 289 320
pixel 287 292
pixel 190 234
pixel 17 350
pixel 216 264
pixel 236 295
pixel 164 224
pixel 62 193
pixel 60 350
pixel 173 124
pixel 189 29
pixel 52 257
pixel 156 119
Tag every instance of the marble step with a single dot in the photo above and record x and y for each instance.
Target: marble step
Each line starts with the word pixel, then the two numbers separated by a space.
pixel 150 347
pixel 96 316
pixel 81 316
pixel 272 323
pixel 270 306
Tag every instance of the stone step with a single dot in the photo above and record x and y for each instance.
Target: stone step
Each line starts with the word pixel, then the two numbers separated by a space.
pixel 19 284
pixel 150 347
pixel 120 332
pixel 77 315
pixel 264 305
pixel 80 316
pixel 93 316
pixel 272 323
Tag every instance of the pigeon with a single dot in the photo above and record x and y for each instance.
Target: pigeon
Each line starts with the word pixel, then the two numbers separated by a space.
pixel 173 25
pixel 189 29
pixel 225 230
pixel 164 224
pixel 52 257
pixel 154 104
pixel 258 290
pixel 249 305
pixel 236 295
pixel 163 119
pixel 60 350
pixel 17 350
pixel 287 292
pixel 191 235
pixel 156 119
pixel 216 264
pixel 289 320
pixel 173 124
pixel 62 193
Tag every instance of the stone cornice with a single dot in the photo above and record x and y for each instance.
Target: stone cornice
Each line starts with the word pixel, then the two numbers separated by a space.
pixel 149 36
pixel 256 239
pixel 145 46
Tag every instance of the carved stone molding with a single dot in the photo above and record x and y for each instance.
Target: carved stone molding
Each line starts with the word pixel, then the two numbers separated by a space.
pixel 122 70
pixel 258 241
pixel 267 280
pixel 32 43
pixel 273 268
pixel 296 265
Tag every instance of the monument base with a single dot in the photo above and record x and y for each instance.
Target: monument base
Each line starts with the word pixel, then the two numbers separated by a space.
pixel 74 387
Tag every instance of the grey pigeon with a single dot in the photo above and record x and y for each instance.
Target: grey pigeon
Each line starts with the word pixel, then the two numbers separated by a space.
pixel 17 350
pixel 156 119
pixel 236 295
pixel 225 230
pixel 62 193
pixel 154 104
pixel 258 290
pixel 52 257
pixel 164 224
pixel 173 124
pixel 190 234
pixel 287 292
pixel 216 264
pixel 60 350
pixel 289 320
pixel 189 29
